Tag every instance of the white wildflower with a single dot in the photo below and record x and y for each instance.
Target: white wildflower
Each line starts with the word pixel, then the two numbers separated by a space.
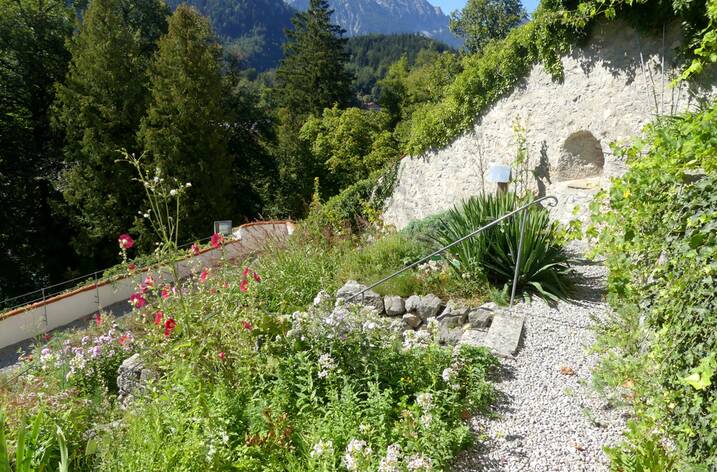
pixel 391 462
pixel 426 420
pixel 173 192
pixel 448 374
pixel 425 401
pixel 322 448
pixel 419 463
pixel 327 364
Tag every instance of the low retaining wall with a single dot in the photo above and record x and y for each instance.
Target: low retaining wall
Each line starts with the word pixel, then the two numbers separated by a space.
pixel 33 320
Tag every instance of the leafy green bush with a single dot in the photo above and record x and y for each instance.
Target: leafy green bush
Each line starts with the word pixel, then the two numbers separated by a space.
pixel 658 236
pixel 544 268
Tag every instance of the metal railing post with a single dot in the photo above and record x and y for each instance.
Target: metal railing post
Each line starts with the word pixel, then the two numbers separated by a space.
pixel 517 260
pixel 44 306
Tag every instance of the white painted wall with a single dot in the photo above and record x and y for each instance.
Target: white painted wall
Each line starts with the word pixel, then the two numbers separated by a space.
pixel 28 322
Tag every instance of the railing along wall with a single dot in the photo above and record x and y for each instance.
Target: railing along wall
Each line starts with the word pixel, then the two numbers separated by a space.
pixel 553 201
pixel 35 319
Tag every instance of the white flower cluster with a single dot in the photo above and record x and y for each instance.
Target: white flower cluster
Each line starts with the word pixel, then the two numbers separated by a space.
pixel 327 364
pixel 430 266
pixel 425 401
pixel 322 448
pixel 450 376
pixel 391 462
pixel 414 339
pixel 355 452
pixel 342 322
pixel 419 463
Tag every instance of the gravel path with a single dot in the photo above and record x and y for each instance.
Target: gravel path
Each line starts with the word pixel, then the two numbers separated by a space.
pixel 548 420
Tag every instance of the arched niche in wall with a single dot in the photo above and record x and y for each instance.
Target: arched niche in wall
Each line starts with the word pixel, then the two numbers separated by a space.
pixel 581 157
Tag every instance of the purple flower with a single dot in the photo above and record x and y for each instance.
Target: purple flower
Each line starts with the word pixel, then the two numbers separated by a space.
pixel 96 351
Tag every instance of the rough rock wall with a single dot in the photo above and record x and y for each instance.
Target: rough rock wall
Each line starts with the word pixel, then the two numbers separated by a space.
pixel 608 95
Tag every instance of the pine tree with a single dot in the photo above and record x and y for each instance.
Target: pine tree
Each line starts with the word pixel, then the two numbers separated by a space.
pixel 313 74
pixel 100 107
pixel 185 131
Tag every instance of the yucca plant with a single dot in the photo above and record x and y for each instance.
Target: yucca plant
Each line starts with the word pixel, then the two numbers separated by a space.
pixel 545 266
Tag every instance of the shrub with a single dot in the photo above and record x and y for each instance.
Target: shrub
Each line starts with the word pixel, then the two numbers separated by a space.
pixel 544 268
pixel 658 236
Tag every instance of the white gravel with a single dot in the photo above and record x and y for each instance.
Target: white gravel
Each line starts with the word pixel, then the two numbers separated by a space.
pixel 546 420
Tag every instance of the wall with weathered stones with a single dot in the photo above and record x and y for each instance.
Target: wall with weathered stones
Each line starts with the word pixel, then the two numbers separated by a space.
pixel 608 95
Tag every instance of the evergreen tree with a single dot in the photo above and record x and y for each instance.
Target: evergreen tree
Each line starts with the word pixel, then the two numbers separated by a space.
pixel 33 57
pixel 313 75
pixel 186 128
pixel 100 107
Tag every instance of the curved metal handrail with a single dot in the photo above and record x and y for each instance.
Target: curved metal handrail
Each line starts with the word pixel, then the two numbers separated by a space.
pixel 552 199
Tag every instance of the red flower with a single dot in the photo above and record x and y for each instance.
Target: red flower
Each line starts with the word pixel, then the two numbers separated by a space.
pixel 221 356
pixel 125 241
pixel 246 272
pixel 98 319
pixel 123 340
pixel 204 275
pixel 166 292
pixel 149 281
pixel 169 326
pixel 137 300
pixel 132 267
pixel 247 326
pixel 257 278
pixel 244 285
pixel 47 337
pixel 217 240
pixel 195 249
pixel 158 318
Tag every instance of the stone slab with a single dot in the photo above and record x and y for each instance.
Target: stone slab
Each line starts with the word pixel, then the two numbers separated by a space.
pixel 504 334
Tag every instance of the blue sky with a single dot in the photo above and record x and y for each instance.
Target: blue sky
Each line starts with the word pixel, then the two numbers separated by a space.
pixel 450 5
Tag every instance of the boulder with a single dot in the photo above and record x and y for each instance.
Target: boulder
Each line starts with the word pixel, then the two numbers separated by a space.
pixel 450 335
pixel 411 320
pixel 369 298
pixel 412 303
pixel 429 306
pixel 455 310
pixel 482 317
pixel 132 377
pixel 394 305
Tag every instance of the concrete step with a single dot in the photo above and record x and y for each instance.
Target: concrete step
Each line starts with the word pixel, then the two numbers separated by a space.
pixel 503 336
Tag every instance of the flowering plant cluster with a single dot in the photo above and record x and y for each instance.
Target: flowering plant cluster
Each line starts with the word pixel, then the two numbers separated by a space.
pixel 92 362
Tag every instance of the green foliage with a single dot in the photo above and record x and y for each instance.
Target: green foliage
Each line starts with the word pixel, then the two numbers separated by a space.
pixel 372 55
pixel 184 131
pixel 99 106
pixel 482 21
pixel 350 144
pixel 659 241
pixel 33 57
pixel 313 75
pixel 544 268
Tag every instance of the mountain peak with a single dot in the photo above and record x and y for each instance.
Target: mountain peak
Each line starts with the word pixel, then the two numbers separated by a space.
pixel 360 17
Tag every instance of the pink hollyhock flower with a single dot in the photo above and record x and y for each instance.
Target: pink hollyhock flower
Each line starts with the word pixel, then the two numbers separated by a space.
pixel 149 281
pixel 98 319
pixel 204 275
pixel 246 272
pixel 158 318
pixel 217 240
pixel 123 339
pixel 221 356
pixel 247 326
pixel 169 326
pixel 137 300
pixel 125 241
pixel 131 267
pixel 257 277
pixel 195 249
pixel 244 285
pixel 166 292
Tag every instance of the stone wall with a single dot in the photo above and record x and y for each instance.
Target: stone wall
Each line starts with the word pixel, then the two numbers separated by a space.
pixel 607 95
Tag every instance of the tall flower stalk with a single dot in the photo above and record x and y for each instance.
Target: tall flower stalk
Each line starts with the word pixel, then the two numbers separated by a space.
pixel 164 196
